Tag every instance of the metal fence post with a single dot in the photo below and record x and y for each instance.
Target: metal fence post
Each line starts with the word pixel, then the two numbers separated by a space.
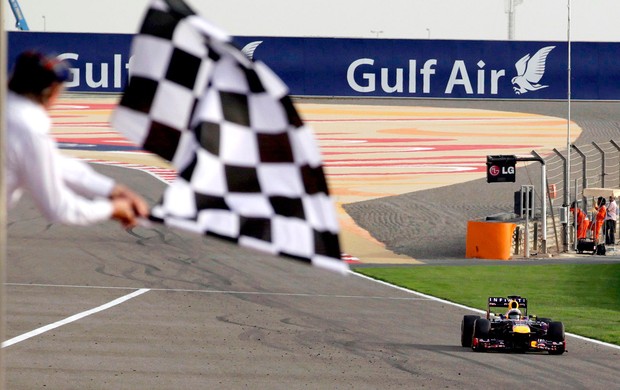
pixel 565 238
pixel 618 149
pixel 543 176
pixel 584 177
pixel 527 208
pixel 575 241
pixel 602 163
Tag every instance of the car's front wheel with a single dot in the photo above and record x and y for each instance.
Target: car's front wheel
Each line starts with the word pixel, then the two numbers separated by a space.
pixel 482 329
pixel 556 333
pixel 467 329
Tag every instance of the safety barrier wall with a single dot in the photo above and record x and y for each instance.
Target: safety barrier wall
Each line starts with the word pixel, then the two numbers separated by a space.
pixel 374 67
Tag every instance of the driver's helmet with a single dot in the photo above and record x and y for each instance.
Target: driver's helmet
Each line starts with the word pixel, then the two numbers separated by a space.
pixel 514 314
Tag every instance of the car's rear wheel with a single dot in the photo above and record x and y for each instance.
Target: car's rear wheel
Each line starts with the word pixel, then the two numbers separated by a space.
pixel 467 329
pixel 556 333
pixel 482 328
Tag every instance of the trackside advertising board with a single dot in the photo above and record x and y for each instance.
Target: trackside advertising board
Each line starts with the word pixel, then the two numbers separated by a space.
pixel 373 67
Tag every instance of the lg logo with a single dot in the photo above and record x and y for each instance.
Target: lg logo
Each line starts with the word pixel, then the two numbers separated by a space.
pixel 494 170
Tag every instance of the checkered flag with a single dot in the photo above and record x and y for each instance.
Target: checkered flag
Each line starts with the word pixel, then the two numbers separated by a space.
pixel 250 171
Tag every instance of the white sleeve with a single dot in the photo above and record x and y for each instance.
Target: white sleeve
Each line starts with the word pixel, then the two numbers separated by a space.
pixel 81 178
pixel 41 173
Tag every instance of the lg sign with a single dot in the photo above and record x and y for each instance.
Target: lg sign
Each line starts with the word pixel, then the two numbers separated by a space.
pixel 501 169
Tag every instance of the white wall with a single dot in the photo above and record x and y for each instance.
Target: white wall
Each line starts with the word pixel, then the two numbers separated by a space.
pixel 592 20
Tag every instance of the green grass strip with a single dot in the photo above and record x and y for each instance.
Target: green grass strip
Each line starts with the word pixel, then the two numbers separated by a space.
pixel 585 297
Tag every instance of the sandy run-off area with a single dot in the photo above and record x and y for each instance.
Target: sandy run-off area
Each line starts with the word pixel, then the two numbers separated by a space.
pixel 369 151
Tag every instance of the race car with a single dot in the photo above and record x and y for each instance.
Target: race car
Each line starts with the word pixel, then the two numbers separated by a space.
pixel 514 330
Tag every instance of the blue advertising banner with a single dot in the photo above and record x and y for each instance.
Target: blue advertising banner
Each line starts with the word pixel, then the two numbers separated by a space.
pixel 374 67
pixel 99 62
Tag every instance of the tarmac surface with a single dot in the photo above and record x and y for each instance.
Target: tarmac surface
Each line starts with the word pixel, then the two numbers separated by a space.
pixel 104 308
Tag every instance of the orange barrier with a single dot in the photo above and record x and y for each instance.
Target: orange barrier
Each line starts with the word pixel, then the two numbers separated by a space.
pixel 489 240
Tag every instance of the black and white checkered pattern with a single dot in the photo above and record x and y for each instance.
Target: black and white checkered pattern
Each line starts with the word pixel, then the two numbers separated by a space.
pixel 249 169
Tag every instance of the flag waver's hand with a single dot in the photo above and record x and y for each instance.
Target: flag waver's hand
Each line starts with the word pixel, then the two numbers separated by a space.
pixel 123 213
pixel 137 204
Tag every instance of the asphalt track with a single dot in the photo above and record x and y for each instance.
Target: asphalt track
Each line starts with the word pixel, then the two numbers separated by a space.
pixel 199 313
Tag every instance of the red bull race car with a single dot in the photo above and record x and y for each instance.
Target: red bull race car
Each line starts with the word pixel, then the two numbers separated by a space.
pixel 512 329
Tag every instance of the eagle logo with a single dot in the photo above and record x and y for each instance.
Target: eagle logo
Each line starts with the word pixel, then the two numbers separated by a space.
pixel 530 70
pixel 249 49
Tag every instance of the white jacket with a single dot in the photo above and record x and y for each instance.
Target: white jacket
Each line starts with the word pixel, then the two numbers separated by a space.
pixel 64 190
pixel 612 211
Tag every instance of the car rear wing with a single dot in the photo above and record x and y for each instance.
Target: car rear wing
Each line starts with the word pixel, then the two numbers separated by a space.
pixel 510 302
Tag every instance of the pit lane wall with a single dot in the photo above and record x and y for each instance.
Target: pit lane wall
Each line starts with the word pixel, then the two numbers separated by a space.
pixel 399 68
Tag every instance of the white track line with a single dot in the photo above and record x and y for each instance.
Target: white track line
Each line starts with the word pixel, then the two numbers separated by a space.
pixel 226 292
pixel 73 318
pixel 431 298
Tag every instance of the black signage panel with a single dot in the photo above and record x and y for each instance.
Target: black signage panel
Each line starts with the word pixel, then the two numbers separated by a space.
pixel 501 169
